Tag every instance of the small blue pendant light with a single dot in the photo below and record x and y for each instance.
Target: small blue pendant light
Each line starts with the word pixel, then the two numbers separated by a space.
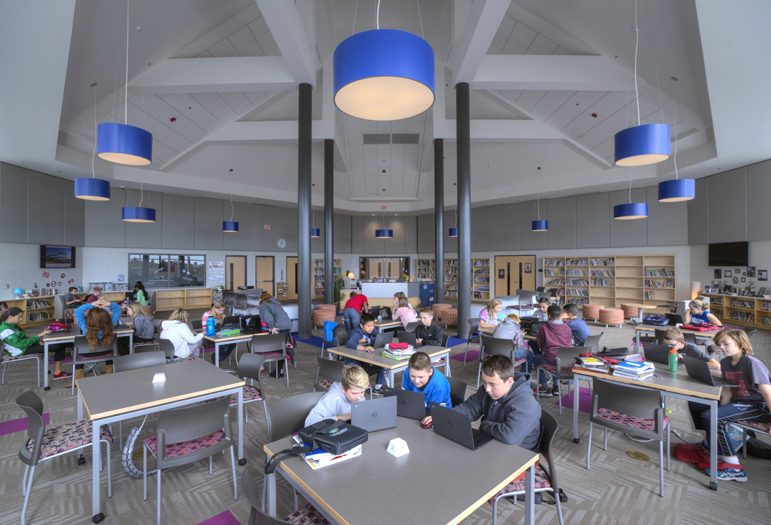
pixel 121 143
pixel 91 188
pixel 385 233
pixel 315 233
pixel 383 74
pixel 539 225
pixel 138 213
pixel 230 226
pixel 645 143
pixel 630 211
pixel 452 232
pixel 677 189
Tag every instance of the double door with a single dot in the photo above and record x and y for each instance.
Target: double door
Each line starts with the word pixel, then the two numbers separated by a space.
pixel 384 267
pixel 514 272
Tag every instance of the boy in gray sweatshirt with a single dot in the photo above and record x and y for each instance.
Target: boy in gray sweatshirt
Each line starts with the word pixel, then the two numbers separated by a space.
pixel 336 403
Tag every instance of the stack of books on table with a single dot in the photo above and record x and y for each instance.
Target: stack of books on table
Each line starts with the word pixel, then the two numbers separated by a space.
pixel 634 370
pixel 591 364
pixel 319 459
pixel 393 353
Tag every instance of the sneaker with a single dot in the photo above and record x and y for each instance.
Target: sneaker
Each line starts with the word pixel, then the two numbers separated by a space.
pixel 731 474
pixel 545 391
pixel 61 375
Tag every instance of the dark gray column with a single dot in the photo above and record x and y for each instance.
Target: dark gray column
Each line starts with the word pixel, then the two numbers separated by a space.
pixel 329 214
pixel 439 220
pixel 463 138
pixel 304 212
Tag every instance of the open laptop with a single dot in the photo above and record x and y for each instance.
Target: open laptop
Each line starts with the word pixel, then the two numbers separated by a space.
pixel 675 319
pixel 456 427
pixel 699 370
pixel 535 327
pixel 382 339
pixel 411 405
pixel 656 353
pixel 408 337
pixel 231 321
pixel 251 323
pixel 374 414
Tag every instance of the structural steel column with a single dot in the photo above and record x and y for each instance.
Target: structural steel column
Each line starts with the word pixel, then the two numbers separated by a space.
pixel 463 138
pixel 439 220
pixel 304 291
pixel 329 218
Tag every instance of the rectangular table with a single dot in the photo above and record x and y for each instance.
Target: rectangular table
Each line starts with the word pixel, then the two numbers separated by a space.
pixel 68 336
pixel 651 328
pixel 678 386
pixel 110 398
pixel 384 326
pixel 392 366
pixel 439 481
pixel 231 339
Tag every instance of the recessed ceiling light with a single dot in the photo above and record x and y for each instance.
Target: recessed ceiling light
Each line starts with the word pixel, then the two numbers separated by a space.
pixel 138 29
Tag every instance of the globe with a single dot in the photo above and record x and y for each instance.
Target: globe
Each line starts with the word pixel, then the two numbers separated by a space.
pixel 18 292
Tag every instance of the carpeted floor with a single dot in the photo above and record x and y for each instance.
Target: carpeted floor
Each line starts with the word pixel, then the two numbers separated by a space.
pixel 618 489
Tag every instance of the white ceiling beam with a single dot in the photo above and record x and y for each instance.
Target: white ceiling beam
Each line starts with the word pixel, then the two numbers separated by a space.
pixel 263 131
pixel 215 75
pixel 470 48
pixel 286 26
pixel 550 73
pixel 506 130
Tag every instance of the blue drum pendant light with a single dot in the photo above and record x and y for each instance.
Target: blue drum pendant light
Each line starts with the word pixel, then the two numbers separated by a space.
pixel 383 74
pixel 315 233
pixel 230 226
pixel 452 232
pixel 121 143
pixel 677 190
pixel 539 225
pixel 642 144
pixel 91 188
pixel 630 211
pixel 384 234
pixel 138 213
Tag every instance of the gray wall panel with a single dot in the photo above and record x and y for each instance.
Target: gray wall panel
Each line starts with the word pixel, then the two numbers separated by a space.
pixel 698 214
pixel 239 240
pixel 208 224
pixel 146 235
pixel 74 218
pixel 262 217
pixel 727 205
pixel 758 208
pixel 45 212
pixel 530 240
pixel 562 223
pixel 285 227
pixel 667 221
pixel 104 226
pixel 483 229
pixel 410 223
pixel 593 218
pixel 627 233
pixel 13 203
pixel 342 239
pixel 357 234
pixel 426 234
pixel 178 224
pixel 507 216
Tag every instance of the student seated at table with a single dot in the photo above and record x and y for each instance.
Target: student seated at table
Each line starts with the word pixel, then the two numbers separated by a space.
pixel 97 321
pixel 421 376
pixel 427 332
pixel 749 399
pixel 144 329
pixel 362 338
pixel 541 309
pixel 552 336
pixel 16 343
pixel 697 313
pixel 492 315
pixel 674 338
pixel 336 403
pixel 71 299
pixel 506 405
pixel 510 329
pixel 176 330
pixel 395 302
pixel 217 312
pixel 140 294
pixel 95 295
pixel 356 304
pixel 577 325
pixel 405 312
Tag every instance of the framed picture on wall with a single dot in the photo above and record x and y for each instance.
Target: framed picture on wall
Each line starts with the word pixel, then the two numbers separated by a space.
pixel 751 271
pixel 762 275
pixel 743 279
pixel 718 273
pixel 727 273
pixel 528 268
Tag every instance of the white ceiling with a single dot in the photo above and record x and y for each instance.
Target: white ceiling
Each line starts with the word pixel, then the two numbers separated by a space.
pixel 551 83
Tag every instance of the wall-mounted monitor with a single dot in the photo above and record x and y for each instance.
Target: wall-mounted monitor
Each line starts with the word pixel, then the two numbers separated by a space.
pixel 55 256
pixel 728 254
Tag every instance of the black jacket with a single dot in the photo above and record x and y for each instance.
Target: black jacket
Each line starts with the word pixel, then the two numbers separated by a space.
pixel 431 336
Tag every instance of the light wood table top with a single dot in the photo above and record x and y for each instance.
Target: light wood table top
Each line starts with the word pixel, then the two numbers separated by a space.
pixel 374 358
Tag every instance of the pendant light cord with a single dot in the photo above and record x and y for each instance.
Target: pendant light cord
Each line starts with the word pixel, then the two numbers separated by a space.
pixel 231 207
pixel 377 16
pixel 636 45
pixel 125 114
pixel 677 176
pixel 93 153
pixel 420 19
pixel 355 11
pixel 141 194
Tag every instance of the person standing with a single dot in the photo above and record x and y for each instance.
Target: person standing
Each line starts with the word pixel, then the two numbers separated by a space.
pixel 356 304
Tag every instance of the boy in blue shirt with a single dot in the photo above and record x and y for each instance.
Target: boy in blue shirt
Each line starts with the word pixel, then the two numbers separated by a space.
pixel 421 377
pixel 363 338
pixel 577 325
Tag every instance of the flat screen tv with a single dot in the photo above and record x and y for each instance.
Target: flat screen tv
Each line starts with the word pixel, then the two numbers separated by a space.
pixel 728 254
pixel 55 256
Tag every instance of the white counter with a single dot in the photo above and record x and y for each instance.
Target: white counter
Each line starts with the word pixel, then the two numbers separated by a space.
pixel 387 290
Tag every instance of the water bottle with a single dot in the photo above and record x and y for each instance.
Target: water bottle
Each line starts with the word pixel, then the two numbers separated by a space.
pixel 672 359
pixel 211 326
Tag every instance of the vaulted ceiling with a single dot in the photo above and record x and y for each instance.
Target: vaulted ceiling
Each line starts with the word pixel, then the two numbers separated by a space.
pixel 216 84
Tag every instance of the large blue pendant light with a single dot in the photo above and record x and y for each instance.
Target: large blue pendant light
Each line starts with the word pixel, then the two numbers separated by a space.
pixel 230 226
pixel 384 233
pixel 91 188
pixel 138 213
pixel 539 225
pixel 630 211
pixel 642 144
pixel 121 143
pixel 383 74
pixel 677 189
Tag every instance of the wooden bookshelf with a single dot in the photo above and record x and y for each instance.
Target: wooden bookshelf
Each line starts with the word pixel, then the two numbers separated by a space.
pixel 424 268
pixel 451 278
pixel 318 277
pixel 189 298
pixel 480 279
pixel 36 311
pixel 754 312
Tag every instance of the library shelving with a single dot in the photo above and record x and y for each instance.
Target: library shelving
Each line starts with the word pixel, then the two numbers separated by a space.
pixel 190 298
pixel 480 279
pixel 36 311
pixel 424 269
pixel 754 312
pixel 450 278
pixel 318 275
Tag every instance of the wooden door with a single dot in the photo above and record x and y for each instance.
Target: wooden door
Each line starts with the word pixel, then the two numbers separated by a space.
pixel 235 271
pixel 511 274
pixel 291 278
pixel 263 273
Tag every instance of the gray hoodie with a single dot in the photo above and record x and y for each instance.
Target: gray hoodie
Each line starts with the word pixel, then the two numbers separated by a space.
pixel 514 419
pixel 332 404
pixel 274 315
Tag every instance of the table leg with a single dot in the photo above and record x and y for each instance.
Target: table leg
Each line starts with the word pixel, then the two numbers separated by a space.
pixel 713 445
pixel 96 513
pixel 270 494
pixel 390 378
pixel 530 496
pixel 46 386
pixel 131 342
pixel 576 406
pixel 216 354
pixel 639 315
pixel 636 340
pixel 241 458
pixel 447 371
pixel 79 406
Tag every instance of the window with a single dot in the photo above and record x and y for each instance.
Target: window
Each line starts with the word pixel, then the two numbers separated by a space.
pixel 167 271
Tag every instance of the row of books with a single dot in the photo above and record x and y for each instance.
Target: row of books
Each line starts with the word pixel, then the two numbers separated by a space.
pixel 399 355
pixel 628 369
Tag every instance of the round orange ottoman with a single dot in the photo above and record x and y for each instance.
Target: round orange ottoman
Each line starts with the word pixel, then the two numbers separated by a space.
pixel 612 316
pixel 323 312
pixel 590 311
pixel 450 317
pixel 438 309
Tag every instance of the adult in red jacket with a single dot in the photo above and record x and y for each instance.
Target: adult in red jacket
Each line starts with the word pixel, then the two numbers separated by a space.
pixel 354 306
pixel 551 337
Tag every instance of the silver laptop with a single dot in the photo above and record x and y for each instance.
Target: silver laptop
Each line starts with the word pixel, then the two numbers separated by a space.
pixel 374 414
pixel 456 427
pixel 700 371
pixel 382 339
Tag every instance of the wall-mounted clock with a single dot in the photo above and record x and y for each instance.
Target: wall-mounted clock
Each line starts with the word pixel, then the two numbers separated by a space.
pixel 281 243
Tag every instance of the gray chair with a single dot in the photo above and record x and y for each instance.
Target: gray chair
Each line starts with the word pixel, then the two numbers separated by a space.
pixel 563 370
pixel 83 354
pixel 306 514
pixel 187 435
pixel 457 391
pixel 544 481
pixel 633 410
pixel 339 338
pixel 473 331
pixel 412 326
pixel 143 360
pixel 493 346
pixel 593 342
pixel 273 349
pixel 660 335
pixel 249 369
pixel 44 443
pixel 166 346
pixel 8 360
pixel 440 362
pixel 328 372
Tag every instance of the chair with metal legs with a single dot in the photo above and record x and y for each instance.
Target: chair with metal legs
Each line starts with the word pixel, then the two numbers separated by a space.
pixel 272 347
pixel 306 515
pixel 84 355
pixel 473 331
pixel 563 370
pixel 249 369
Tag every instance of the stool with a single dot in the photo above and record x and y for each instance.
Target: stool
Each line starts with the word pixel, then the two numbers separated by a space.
pixel 438 309
pixel 323 312
pixel 612 316
pixel 591 311
pixel 450 317
pixel 630 311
